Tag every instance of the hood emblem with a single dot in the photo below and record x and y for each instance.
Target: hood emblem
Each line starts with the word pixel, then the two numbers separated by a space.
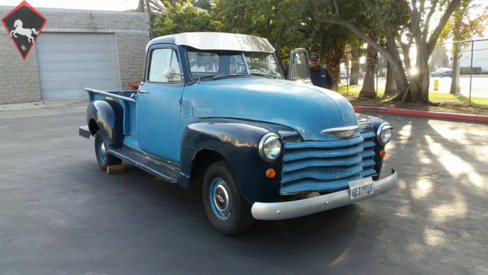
pixel 341 132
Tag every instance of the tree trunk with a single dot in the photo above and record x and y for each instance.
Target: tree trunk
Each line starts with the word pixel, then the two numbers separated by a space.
pixel 390 88
pixel 354 64
pixel 455 70
pixel 419 82
pixel 424 74
pixel 368 90
pixel 333 57
pixel 151 19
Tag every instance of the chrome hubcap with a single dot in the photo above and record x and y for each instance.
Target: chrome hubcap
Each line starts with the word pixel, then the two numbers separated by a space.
pixel 221 198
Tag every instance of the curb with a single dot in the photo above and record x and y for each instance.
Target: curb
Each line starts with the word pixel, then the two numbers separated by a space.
pixel 466 117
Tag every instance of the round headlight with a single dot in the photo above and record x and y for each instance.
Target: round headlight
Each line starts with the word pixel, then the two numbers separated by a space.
pixel 270 147
pixel 384 133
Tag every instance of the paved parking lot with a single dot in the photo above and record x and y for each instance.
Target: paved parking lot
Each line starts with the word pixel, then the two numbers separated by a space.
pixel 60 214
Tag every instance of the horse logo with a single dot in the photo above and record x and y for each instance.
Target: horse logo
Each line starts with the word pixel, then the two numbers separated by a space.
pixel 24 25
pixel 25 32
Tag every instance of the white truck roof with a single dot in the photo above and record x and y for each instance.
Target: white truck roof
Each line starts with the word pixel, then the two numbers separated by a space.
pixel 223 41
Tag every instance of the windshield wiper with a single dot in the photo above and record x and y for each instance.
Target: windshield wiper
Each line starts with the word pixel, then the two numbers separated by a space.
pixel 265 75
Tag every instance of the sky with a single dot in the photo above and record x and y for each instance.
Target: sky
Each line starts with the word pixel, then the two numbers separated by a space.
pixel 114 5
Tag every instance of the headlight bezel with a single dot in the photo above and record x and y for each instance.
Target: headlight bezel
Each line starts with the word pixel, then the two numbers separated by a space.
pixel 384 128
pixel 266 140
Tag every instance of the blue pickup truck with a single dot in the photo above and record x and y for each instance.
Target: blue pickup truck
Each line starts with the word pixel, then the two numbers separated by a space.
pixel 215 109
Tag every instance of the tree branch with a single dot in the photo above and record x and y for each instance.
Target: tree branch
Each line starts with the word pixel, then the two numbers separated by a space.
pixel 429 16
pixel 414 22
pixel 405 48
pixel 359 33
pixel 336 9
pixel 437 32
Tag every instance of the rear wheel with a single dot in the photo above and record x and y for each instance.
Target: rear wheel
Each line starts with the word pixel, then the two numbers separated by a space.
pixel 104 159
pixel 228 212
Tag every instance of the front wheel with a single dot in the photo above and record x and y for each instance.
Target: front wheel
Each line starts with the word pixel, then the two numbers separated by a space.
pixel 103 158
pixel 228 212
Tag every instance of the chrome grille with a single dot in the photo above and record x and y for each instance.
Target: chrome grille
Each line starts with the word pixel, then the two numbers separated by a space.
pixel 322 166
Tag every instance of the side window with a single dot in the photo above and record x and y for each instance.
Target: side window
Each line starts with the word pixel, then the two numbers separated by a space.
pixel 162 59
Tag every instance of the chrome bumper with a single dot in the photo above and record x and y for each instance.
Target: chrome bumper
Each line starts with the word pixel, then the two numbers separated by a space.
pixel 304 207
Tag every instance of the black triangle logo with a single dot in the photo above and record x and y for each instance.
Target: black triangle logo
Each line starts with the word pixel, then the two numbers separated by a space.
pixel 24 24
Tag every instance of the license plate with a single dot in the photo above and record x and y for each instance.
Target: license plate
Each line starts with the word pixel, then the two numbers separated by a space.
pixel 360 188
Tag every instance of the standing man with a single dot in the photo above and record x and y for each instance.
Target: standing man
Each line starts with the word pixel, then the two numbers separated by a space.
pixel 319 76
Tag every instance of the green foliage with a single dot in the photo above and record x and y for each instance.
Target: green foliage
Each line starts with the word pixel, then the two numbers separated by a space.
pixel 284 23
pixel 463 25
pixel 287 24
pixel 183 17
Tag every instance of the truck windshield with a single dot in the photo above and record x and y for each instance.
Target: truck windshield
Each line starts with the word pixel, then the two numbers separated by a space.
pixel 216 63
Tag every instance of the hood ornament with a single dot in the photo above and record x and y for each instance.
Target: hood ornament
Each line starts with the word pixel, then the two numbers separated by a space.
pixel 341 132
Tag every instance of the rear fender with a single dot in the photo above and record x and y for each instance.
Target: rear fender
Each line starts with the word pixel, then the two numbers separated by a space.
pixel 107 116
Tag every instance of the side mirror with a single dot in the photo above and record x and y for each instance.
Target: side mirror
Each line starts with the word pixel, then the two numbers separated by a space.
pixel 299 70
pixel 169 73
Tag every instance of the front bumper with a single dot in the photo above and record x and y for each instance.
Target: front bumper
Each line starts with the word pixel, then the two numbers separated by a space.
pixel 304 207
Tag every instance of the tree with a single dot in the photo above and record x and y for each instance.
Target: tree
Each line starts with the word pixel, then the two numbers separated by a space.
pixel 417 15
pixel 331 42
pixel 283 23
pixel 390 87
pixel 368 91
pixel 334 55
pixel 287 25
pixel 462 27
pixel 182 16
pixel 355 54
pixel 151 7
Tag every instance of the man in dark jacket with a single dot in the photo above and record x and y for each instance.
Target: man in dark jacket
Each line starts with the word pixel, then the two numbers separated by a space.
pixel 319 76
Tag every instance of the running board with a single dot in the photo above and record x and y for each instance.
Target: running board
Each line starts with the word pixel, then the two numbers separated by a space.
pixel 160 169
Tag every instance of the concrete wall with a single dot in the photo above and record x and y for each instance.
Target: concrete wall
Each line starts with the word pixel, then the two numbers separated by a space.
pixel 19 80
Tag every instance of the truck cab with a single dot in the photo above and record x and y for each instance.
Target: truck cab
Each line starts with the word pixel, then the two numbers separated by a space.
pixel 216 109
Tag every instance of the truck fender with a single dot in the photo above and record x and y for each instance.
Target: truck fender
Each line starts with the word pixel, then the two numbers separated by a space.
pixel 372 126
pixel 107 116
pixel 237 142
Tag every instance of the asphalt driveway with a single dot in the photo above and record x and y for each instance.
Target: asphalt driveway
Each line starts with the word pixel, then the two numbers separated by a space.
pixel 60 214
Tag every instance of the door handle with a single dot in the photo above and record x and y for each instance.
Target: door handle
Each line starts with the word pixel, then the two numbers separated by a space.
pixel 142 91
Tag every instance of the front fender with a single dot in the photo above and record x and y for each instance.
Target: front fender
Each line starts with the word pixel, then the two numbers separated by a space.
pixel 371 124
pixel 107 116
pixel 237 141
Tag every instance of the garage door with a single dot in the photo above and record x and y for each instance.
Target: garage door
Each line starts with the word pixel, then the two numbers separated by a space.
pixel 69 62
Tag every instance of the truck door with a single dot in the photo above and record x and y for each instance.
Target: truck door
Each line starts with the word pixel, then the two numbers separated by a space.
pixel 158 104
pixel 299 70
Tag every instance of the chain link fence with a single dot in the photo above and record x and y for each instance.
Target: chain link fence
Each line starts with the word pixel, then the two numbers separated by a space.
pixel 472 71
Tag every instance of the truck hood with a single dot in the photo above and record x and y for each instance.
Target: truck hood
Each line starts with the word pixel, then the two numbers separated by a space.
pixel 307 109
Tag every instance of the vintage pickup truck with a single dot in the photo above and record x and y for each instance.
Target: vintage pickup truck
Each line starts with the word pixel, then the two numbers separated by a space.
pixel 215 109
